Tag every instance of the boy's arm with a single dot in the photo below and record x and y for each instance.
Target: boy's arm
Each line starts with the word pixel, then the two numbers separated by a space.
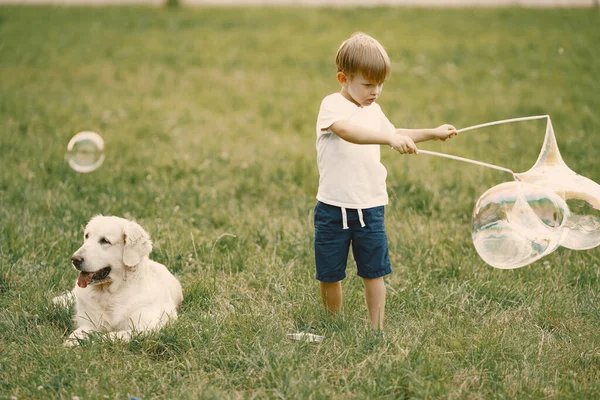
pixel 358 135
pixel 442 132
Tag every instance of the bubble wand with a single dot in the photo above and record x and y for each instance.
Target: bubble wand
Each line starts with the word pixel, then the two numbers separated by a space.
pixel 480 163
pixel 468 160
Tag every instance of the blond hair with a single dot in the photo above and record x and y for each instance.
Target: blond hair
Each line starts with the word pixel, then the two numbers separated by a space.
pixel 361 54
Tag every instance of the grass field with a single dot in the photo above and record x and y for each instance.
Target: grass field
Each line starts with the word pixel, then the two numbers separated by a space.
pixel 208 117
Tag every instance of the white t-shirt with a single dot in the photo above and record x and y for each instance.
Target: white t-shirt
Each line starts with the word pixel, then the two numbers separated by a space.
pixel 350 175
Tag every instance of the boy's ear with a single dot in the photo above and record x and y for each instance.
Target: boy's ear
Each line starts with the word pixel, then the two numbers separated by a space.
pixel 342 78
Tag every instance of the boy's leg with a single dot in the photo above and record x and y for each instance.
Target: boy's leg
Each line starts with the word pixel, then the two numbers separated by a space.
pixel 375 296
pixel 332 244
pixel 331 294
pixel 370 249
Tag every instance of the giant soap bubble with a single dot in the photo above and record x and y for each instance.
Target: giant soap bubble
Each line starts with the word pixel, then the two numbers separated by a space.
pixel 516 223
pixel 581 194
pixel 85 152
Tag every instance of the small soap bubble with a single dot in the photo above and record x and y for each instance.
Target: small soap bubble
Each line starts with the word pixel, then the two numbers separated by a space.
pixel 517 223
pixel 85 152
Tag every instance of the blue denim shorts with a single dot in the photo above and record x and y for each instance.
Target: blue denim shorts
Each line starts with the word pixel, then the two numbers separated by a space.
pixel 332 242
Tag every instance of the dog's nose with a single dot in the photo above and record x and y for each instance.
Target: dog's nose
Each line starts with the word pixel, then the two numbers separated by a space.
pixel 77 261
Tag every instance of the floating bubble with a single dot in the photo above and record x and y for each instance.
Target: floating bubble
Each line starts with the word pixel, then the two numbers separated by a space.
pixel 581 194
pixel 517 223
pixel 85 152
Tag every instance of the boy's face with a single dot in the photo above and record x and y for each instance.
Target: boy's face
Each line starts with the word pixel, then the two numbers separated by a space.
pixel 359 90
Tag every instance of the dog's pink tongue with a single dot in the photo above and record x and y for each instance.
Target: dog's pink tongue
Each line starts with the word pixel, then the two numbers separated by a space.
pixel 84 279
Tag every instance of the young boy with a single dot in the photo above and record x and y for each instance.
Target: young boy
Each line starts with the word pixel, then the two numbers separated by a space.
pixel 352 191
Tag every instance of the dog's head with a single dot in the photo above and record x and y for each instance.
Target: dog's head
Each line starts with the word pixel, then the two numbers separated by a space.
pixel 111 245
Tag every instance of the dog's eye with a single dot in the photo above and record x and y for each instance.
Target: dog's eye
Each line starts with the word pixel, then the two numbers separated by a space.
pixel 87 235
pixel 104 241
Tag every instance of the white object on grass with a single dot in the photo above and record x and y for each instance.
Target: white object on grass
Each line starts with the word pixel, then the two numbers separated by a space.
pixel 307 337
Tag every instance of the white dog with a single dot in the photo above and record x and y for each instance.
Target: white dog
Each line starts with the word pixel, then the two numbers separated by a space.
pixel 119 289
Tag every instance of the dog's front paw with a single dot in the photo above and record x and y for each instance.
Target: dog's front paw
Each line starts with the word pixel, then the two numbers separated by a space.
pixel 75 338
pixel 123 336
pixel 71 342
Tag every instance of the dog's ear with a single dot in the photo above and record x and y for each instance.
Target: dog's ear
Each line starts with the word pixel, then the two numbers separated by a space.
pixel 137 244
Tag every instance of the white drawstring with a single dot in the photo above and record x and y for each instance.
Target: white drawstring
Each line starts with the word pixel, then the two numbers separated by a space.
pixel 360 217
pixel 344 218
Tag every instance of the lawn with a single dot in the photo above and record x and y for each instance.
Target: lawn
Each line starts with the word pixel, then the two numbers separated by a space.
pixel 208 117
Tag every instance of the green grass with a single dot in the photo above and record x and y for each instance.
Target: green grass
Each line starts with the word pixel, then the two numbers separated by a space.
pixel 208 117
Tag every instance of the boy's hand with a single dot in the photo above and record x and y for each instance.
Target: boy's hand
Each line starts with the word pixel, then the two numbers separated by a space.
pixel 444 132
pixel 403 144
